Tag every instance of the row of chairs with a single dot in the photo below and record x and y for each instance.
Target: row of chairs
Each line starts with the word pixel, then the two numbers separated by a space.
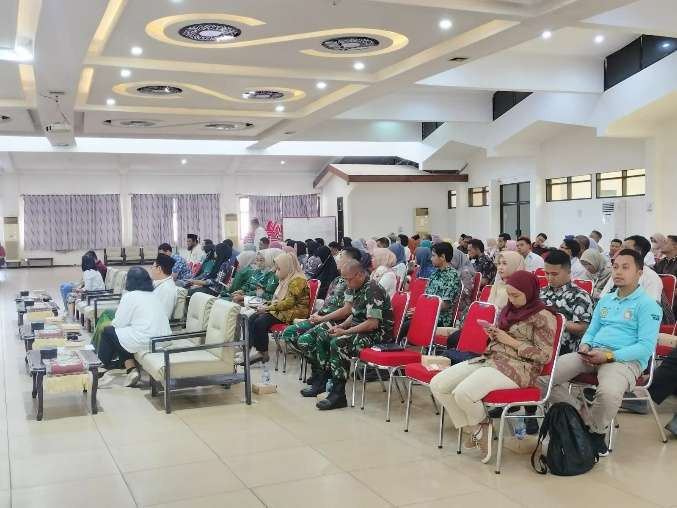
pixel 128 256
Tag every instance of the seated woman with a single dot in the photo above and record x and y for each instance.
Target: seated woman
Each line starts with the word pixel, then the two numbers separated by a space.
pixel 91 280
pixel 245 269
pixel 262 282
pixel 424 262
pixel 326 272
pixel 218 261
pixel 139 317
pixel 313 261
pixel 382 262
pixel 466 271
pixel 290 301
pixel 598 268
pixel 518 349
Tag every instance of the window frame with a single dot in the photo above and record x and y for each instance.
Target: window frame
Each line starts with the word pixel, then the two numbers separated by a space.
pixel 452 200
pixel 569 187
pixel 484 191
pixel 243 216
pixel 624 183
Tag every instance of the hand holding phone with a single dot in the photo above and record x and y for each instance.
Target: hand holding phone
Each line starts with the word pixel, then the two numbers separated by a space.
pixel 484 323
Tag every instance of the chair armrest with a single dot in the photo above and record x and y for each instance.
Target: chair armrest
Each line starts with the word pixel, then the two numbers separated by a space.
pixel 205 347
pixel 90 295
pixel 166 338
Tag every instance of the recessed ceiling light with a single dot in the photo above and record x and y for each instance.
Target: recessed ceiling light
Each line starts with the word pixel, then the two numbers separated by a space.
pixel 110 102
pixel 599 39
pixel 666 45
pixel 445 24
pixel 358 66
pixel 24 54
pixel 547 34
pixel 321 85
pixel 184 162
pixel 283 162
pixel 125 73
pixel 176 1
pixel 279 109
pixel 136 50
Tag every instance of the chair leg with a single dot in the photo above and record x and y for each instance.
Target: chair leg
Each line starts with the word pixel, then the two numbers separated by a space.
pixel 364 384
pixel 277 354
pixel 612 433
pixel 353 364
pixel 437 409
pixel 397 385
pixel 408 408
pixel 459 438
pixel 664 439
pixel 439 442
pixel 390 391
pixel 301 369
pixel 284 361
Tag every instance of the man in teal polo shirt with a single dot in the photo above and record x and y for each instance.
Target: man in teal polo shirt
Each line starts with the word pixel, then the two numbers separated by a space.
pixel 617 347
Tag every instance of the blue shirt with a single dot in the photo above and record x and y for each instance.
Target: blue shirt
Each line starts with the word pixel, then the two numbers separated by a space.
pixel 628 326
pixel 180 268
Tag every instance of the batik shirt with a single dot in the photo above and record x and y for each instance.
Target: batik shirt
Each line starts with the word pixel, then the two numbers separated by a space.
pixel 576 306
pixel 486 267
pixel 180 268
pixel 371 301
pixel 335 296
pixel 267 280
pixel 446 284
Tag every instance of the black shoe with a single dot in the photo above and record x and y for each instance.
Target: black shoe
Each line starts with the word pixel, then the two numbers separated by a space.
pixel 641 407
pixel 531 425
pixel 599 444
pixel 318 387
pixel 672 425
pixel 314 374
pixel 589 395
pixel 336 399
pixel 498 411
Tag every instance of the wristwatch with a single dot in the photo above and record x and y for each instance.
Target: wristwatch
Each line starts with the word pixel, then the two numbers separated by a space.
pixel 609 357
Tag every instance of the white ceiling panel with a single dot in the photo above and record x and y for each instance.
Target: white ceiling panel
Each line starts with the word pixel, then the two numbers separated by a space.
pixel 10 81
pixel 19 121
pixel 8 16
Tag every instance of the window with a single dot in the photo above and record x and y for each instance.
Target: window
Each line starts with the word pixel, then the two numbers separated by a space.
pixel 244 217
pixel 568 188
pixel 615 184
pixel 451 199
pixel 478 196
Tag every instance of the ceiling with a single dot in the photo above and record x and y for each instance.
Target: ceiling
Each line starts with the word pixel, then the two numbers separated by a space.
pixel 249 71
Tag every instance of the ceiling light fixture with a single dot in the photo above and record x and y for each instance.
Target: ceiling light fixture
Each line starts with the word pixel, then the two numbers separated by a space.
pixel 358 66
pixel 445 24
pixel 279 109
pixel 23 54
pixel 666 45
pixel 184 162
pixel 283 162
pixel 321 85
pixel 125 73
pixel 110 102
pixel 136 51
pixel 599 39
pixel 546 34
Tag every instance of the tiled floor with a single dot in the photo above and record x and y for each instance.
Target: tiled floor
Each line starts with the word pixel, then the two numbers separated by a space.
pixel 214 451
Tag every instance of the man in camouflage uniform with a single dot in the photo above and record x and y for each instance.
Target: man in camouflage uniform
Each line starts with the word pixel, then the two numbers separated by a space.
pixel 370 322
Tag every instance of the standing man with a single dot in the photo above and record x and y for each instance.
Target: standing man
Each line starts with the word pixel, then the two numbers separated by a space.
pixel 264 243
pixel 257 231
pixel 531 261
pixel 617 347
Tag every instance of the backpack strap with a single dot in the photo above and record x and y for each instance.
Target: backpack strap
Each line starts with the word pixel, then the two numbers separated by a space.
pixel 542 467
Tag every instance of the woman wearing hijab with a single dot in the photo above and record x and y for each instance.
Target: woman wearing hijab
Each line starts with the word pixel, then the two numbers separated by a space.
pixel 313 262
pixel 424 262
pixel 658 243
pixel 262 281
pixel 365 260
pixel 245 269
pixel 428 244
pixel 491 248
pixel 213 270
pixel 301 252
pixel 518 349
pixel 507 263
pixel 598 268
pixel 327 271
pixel 371 245
pixel 400 267
pixel 277 245
pixel 382 262
pixel 404 242
pixel 511 245
pixel 290 301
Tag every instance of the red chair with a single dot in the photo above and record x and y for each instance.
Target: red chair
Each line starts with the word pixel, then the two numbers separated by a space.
pixel 669 282
pixel 421 334
pixel 277 330
pixel 643 384
pixel 416 289
pixel 473 339
pixel 530 396
pixel 484 294
pixel 476 281
pixel 585 285
pixel 539 272
pixel 662 350
pixel 542 281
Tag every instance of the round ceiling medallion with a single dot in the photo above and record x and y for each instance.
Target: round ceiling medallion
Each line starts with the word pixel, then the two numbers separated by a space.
pixel 4 118
pixel 228 126
pixel 159 90
pixel 209 32
pixel 130 123
pixel 262 95
pixel 350 43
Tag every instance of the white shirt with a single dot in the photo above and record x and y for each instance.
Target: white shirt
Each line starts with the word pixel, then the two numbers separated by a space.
pixel 407 253
pixel 258 234
pixel 650 282
pixel 578 271
pixel 389 282
pixel 93 280
pixel 650 259
pixel 139 317
pixel 165 290
pixel 532 261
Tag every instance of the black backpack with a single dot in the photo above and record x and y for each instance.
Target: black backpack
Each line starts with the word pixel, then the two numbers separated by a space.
pixel 570 451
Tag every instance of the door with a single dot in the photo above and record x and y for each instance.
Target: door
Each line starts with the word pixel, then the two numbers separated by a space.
pixel 515 212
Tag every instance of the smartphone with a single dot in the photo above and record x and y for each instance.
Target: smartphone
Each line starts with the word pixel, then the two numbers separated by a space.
pixel 584 353
pixel 484 323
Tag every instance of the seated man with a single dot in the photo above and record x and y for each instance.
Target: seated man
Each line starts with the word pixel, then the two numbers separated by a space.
pixel 370 322
pixel 163 283
pixel 617 347
pixel 180 271
pixel 481 262
pixel 532 261
pixel 539 246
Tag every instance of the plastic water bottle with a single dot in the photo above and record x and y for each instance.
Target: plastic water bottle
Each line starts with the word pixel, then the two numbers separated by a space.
pixel 329 386
pixel 265 375
pixel 519 429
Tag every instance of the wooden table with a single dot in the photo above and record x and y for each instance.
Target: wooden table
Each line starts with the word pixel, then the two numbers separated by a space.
pixel 38 371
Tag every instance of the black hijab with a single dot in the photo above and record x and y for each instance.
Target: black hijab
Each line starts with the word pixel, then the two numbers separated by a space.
pixel 312 248
pixel 223 254
pixel 327 271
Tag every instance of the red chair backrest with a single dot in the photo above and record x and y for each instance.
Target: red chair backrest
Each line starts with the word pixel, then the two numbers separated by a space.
pixel 669 282
pixel 585 285
pixel 416 289
pixel 314 286
pixel 400 303
pixel 540 272
pixel 542 281
pixel 477 279
pixel 424 321
pixel 473 337
pixel 484 294
pixel 547 368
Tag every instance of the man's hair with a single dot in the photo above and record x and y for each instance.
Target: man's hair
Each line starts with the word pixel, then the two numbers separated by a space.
pixel 505 236
pixel 559 258
pixel 165 247
pixel 596 232
pixel 138 280
pixel 353 253
pixel 524 239
pixel 639 258
pixel 462 235
pixel 208 241
pixel 404 240
pixel 617 240
pixel 353 265
pixel 192 236
pixel 228 242
pixel 584 240
pixel 545 237
pixel 92 253
pixel 444 249
pixel 477 243
pixel 255 221
pixel 416 237
pixel 641 243
pixel 573 246
pixel 334 245
pixel 265 239
pixel 165 263
pixel 319 241
pixel 384 241
pixel 673 238
pixel 428 236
